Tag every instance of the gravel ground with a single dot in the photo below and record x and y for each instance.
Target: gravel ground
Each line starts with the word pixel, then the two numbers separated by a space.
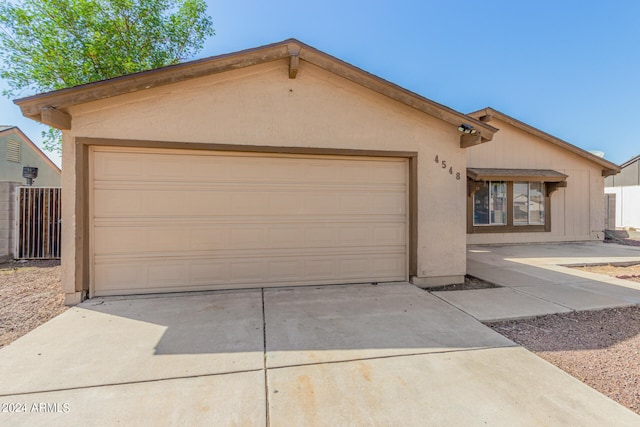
pixel 626 242
pixel 470 283
pixel 600 348
pixel 30 294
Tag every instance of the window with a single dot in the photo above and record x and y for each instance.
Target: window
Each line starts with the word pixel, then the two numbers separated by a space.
pixel 528 203
pixel 509 206
pixel 490 204
pixel 511 200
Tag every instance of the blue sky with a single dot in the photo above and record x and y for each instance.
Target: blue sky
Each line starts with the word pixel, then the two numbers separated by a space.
pixel 570 68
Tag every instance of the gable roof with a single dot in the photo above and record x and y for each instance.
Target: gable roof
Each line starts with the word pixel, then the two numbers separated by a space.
pixel 51 107
pixel 6 130
pixel 487 114
pixel 630 161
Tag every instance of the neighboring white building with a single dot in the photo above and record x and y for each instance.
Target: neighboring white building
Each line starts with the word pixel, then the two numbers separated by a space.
pixel 626 187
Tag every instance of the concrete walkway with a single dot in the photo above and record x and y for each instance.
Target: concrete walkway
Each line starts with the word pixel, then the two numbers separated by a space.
pixel 536 281
pixel 315 356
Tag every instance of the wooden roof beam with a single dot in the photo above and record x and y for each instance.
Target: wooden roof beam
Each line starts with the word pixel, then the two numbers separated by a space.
pixel 55 118
pixel 469 140
pixel 294 59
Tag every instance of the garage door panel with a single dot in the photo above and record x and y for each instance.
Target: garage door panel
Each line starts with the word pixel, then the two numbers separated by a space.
pixel 355 235
pixel 247 220
pixel 389 235
pixel 111 166
pixel 387 266
pixel 248 237
pixel 285 269
pixel 390 173
pixel 203 237
pixel 168 274
pixel 169 240
pixel 357 203
pixel 118 277
pixel 284 236
pixel 354 268
pixel 189 203
pixel 149 275
pixel 119 240
pixel 175 166
pixel 394 203
pixel 209 272
pixel 113 203
pixel 247 270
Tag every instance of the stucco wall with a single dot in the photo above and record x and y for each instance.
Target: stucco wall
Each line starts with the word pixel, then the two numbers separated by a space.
pixel 7 219
pixel 261 106
pixel 577 211
pixel 12 171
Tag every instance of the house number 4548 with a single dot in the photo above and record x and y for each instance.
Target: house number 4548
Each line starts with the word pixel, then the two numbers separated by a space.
pixel 444 166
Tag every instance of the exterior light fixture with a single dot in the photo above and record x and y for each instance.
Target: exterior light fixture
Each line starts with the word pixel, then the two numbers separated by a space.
pixel 468 129
pixel 29 173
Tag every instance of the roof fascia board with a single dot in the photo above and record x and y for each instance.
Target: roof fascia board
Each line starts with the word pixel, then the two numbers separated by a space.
pixel 32 106
pixel 391 90
pixel 518 178
pixel 482 174
pixel 609 167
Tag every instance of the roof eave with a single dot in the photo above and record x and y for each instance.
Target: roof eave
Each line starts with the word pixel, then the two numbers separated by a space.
pixel 488 113
pixel 51 107
pixel 496 174
pixel 630 161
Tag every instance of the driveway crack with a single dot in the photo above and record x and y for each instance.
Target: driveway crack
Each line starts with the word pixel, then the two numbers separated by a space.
pixel 264 349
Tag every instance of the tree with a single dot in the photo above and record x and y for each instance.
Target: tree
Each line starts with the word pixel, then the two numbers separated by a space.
pixel 54 44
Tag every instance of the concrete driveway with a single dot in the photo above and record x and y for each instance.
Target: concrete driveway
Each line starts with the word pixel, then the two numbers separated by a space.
pixel 315 356
pixel 536 280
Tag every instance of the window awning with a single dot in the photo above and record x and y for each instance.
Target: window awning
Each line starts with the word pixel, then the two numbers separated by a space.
pixel 535 175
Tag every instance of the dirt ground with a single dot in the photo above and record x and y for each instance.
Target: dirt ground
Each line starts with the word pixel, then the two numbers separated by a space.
pixel 30 295
pixel 601 348
pixel 627 271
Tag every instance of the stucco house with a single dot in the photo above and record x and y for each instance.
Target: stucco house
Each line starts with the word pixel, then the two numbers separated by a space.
pixel 279 165
pixel 528 186
pixel 626 190
pixel 16 152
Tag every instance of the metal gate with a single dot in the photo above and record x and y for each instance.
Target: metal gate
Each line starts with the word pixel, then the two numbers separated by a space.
pixel 38 222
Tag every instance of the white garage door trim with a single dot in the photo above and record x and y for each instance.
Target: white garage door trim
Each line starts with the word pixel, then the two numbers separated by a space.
pixel 294 195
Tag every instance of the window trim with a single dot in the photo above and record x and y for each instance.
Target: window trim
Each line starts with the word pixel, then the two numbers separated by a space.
pixel 528 184
pixel 489 206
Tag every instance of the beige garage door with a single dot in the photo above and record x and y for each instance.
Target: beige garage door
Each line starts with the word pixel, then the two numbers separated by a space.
pixel 177 220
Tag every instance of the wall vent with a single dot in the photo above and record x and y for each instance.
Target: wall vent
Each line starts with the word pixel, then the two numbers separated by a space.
pixel 14 151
